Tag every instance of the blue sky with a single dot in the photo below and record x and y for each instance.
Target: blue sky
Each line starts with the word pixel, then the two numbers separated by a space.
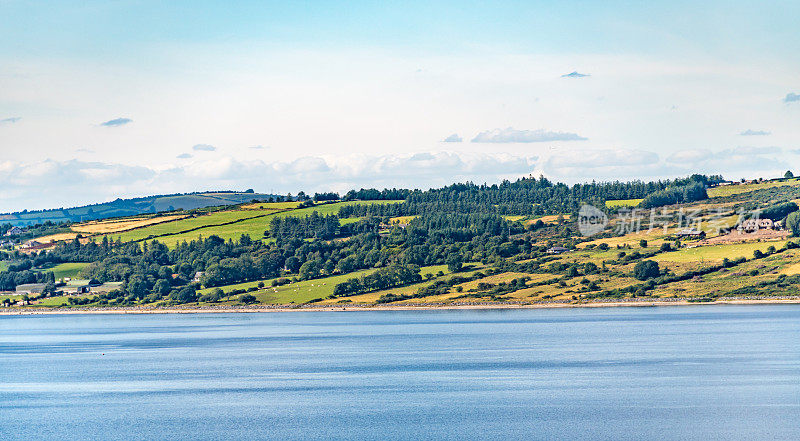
pixel 331 95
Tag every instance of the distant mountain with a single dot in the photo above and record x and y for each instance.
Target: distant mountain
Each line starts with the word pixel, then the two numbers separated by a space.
pixel 132 207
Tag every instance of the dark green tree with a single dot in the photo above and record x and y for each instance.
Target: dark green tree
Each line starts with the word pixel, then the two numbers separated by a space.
pixel 646 269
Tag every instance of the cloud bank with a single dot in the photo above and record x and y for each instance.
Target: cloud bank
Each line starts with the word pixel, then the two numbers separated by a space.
pixel 203 148
pixel 509 135
pixel 453 138
pixel 51 184
pixel 11 120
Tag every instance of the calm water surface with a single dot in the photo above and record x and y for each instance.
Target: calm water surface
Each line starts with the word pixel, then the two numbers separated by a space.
pixel 705 372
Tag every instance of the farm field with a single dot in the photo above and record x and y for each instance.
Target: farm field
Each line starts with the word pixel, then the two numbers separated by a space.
pixel 623 203
pixel 237 222
pixel 68 269
pixel 119 225
pixel 721 282
pixel 730 190
pixel 306 290
pixel 270 206
pixel 57 237
pixel 716 253
pixel 371 297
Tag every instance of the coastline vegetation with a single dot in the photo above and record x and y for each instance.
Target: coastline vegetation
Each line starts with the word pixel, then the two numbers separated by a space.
pixel 514 242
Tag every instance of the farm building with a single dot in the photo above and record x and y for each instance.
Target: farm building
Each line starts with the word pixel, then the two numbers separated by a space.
pixel 30 288
pixel 691 233
pixel 557 250
pixel 751 225
pixel 77 287
pixel 14 231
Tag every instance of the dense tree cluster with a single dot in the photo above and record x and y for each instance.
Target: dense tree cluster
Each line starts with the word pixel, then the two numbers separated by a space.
pixel 778 211
pixel 284 228
pixel 675 195
pixel 527 196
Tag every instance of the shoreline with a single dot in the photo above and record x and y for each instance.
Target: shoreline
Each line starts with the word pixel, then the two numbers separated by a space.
pixel 407 307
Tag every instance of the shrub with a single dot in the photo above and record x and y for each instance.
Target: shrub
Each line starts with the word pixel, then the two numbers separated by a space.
pixel 779 211
pixel 185 295
pixel 248 299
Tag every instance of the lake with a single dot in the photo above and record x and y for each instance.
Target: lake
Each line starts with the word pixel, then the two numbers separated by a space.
pixel 689 372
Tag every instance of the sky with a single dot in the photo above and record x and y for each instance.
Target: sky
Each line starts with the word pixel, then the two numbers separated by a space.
pixel 123 98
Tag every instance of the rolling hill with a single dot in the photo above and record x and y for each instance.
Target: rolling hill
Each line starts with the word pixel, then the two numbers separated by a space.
pixel 131 207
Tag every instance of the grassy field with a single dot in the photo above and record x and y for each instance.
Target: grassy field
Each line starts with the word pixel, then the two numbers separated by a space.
pixel 623 203
pixel 68 269
pixel 721 282
pixel 270 206
pixel 119 225
pixel 252 222
pixel 58 237
pixel 371 297
pixel 729 190
pixel 303 291
pixel 716 253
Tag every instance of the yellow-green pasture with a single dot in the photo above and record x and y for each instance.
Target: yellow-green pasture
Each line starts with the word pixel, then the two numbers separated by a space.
pixel 716 253
pixel 730 190
pixel 252 222
pixel 618 203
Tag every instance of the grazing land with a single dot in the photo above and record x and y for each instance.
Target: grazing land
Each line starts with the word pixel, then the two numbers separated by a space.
pixel 229 224
pixel 68 269
pixel 623 203
pixel 730 190
pixel 119 225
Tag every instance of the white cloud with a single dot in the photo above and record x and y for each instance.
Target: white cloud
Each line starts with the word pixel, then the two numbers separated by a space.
pixel 11 120
pixel 48 184
pixel 733 162
pixel 592 159
pixel 689 156
pixel 791 98
pixel 750 132
pixel 203 148
pixel 509 135
pixel 453 138
pixel 574 74
pixel 116 122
